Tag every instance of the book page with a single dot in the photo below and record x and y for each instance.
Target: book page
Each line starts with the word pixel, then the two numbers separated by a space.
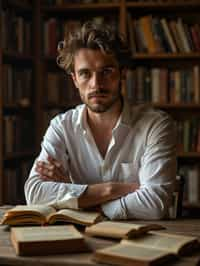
pixel 45 233
pixel 111 229
pixel 162 241
pixel 45 210
pixel 121 229
pixel 133 252
pixel 82 216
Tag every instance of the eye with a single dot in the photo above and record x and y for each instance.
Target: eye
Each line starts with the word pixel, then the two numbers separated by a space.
pixel 106 72
pixel 84 74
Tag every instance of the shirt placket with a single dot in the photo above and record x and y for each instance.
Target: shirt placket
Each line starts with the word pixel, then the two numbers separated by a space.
pixel 106 166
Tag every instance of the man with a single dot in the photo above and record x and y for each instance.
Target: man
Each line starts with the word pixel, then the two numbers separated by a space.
pixel 104 153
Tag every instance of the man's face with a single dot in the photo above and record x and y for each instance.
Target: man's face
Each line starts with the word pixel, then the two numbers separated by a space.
pixel 97 77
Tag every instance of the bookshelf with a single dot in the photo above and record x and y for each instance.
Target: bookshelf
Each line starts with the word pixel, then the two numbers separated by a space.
pixel 56 19
pixel 17 144
pixel 1 119
pixel 51 18
pixel 180 61
pixel 170 71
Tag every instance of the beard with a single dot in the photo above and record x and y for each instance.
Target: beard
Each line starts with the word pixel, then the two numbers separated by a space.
pixel 104 103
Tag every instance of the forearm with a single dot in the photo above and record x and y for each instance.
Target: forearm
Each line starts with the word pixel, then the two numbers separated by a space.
pixel 97 194
pixel 57 194
pixel 149 202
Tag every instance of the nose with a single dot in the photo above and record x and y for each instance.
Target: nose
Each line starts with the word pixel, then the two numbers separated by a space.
pixel 96 80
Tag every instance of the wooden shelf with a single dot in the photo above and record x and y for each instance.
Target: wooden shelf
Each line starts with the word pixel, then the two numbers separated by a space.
pixel 186 106
pixel 17 107
pixel 156 56
pixel 167 5
pixel 166 56
pixel 80 7
pixel 189 205
pixel 19 4
pixel 189 155
pixel 19 155
pixel 13 56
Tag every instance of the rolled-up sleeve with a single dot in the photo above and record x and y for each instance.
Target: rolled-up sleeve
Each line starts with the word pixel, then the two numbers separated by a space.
pixel 56 194
pixel 157 173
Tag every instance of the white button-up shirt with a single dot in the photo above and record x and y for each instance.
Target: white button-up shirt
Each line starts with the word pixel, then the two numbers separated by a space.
pixel 142 150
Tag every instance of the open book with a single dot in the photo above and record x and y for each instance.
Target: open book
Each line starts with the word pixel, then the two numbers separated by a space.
pixel 128 254
pixel 43 214
pixel 153 248
pixel 44 240
pixel 170 243
pixel 120 229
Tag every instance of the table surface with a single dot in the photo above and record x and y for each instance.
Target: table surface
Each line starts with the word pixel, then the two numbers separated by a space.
pixel 189 227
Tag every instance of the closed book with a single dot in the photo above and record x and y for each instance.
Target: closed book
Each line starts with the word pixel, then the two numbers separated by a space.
pixel 44 240
pixel 120 229
pixel 146 28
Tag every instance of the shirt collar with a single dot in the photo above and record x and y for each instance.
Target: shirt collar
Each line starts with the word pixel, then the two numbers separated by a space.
pixel 81 116
pixel 126 117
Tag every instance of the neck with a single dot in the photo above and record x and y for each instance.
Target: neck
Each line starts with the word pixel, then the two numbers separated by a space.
pixel 106 120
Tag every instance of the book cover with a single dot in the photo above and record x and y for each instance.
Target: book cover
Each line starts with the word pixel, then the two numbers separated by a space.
pixel 44 240
pixel 168 242
pixel 152 248
pixel 129 254
pixel 120 229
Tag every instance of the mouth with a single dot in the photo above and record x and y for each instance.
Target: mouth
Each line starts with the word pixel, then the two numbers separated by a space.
pixel 97 95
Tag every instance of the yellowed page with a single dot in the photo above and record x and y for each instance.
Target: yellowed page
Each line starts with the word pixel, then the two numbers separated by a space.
pixel 42 209
pixel 113 229
pixel 162 241
pixel 27 214
pixel 84 217
pixel 133 252
pixel 45 233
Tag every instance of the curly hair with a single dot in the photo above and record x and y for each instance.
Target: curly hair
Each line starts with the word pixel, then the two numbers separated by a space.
pixel 92 36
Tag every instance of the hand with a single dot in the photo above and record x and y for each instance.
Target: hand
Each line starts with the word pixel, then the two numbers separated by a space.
pixel 51 171
pixel 97 194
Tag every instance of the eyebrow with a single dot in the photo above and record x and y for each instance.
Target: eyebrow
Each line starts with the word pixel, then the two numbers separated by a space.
pixel 105 66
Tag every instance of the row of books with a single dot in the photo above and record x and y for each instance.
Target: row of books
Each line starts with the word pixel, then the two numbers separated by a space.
pixel 163 85
pixel 191 173
pixel 17 134
pixel 14 186
pixel 189 135
pixel 150 34
pixel 60 88
pixel 20 40
pixel 17 85
pixel 55 30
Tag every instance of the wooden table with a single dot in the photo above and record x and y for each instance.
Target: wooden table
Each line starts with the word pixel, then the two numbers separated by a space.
pixel 8 256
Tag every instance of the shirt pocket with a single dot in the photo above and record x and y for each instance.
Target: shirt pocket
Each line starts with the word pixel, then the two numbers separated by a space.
pixel 128 173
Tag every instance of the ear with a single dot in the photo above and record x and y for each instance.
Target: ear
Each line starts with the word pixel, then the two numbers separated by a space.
pixel 74 79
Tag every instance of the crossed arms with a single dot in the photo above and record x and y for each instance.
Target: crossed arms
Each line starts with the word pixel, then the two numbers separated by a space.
pixel 145 196
pixel 95 194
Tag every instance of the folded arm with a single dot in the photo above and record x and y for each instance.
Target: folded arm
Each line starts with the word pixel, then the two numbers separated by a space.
pixel 148 200
pixel 156 174
pixel 94 195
